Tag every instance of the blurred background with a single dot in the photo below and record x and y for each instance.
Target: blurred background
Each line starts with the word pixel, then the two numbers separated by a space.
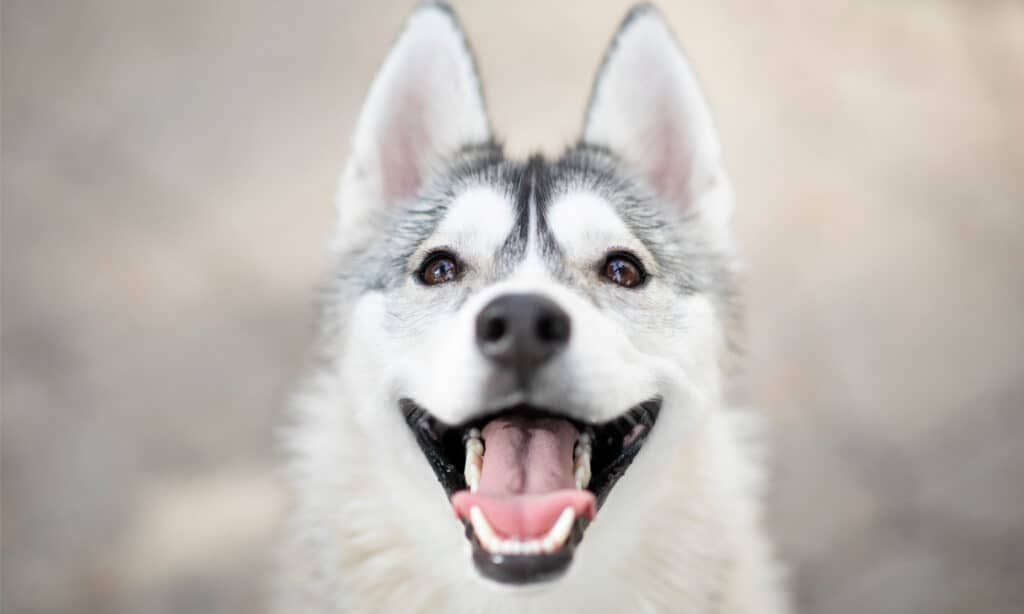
pixel 167 172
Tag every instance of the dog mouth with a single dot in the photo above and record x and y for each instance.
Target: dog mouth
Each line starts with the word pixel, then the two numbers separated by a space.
pixel 526 481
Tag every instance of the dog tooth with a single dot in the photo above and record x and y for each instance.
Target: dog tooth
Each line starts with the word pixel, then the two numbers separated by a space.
pixel 581 470
pixel 560 531
pixel 534 546
pixel 474 442
pixel 582 476
pixel 474 465
pixel 472 475
pixel 516 547
pixel 583 444
pixel 474 459
pixel 581 460
pixel 488 538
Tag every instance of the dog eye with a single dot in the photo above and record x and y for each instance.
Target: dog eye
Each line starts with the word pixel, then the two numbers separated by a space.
pixel 624 269
pixel 439 268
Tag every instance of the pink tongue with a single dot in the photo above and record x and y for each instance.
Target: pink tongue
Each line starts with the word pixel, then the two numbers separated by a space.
pixel 527 478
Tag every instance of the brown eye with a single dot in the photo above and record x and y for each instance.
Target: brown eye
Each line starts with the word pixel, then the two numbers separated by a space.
pixel 624 270
pixel 439 268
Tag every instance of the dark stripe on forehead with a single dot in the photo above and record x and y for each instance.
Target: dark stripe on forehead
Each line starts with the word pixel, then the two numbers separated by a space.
pixel 544 193
pixel 513 250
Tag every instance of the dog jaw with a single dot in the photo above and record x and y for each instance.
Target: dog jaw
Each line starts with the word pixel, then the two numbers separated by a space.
pixel 679 533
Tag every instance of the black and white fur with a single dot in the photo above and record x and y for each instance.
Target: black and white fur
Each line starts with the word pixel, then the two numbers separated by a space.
pixel 371 531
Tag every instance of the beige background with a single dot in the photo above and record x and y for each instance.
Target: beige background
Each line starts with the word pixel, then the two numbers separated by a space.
pixel 167 168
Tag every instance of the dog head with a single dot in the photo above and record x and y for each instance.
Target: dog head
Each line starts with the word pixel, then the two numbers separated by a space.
pixel 537 334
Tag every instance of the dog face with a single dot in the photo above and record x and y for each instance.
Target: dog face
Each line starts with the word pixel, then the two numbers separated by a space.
pixel 526 330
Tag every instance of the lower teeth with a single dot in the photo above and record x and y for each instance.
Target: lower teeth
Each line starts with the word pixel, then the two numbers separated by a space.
pixel 552 541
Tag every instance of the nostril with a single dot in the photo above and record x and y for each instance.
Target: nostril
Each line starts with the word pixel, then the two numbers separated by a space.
pixel 522 331
pixel 493 329
pixel 552 328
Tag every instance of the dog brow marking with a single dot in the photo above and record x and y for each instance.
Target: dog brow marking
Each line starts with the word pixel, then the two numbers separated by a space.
pixel 531 234
pixel 534 167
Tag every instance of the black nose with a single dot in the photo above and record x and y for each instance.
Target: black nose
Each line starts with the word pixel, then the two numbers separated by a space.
pixel 522 331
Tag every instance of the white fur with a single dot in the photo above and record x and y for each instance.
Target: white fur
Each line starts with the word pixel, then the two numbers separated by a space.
pixel 475 226
pixel 372 531
pixel 589 242
pixel 682 537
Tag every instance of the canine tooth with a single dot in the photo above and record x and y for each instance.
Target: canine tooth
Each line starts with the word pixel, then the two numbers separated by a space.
pixel 583 445
pixel 581 460
pixel 563 524
pixel 560 531
pixel 581 469
pixel 474 465
pixel 488 538
pixel 474 442
pixel 474 459
pixel 583 475
pixel 472 475
pixel 548 545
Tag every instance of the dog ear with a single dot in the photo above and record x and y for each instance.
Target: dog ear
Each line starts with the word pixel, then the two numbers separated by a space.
pixel 425 103
pixel 647 107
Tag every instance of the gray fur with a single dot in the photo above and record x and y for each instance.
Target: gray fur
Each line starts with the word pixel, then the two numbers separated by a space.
pixel 674 236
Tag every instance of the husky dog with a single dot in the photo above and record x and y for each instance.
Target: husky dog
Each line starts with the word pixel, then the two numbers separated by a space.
pixel 518 400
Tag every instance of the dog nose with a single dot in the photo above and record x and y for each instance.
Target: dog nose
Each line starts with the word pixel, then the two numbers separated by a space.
pixel 522 331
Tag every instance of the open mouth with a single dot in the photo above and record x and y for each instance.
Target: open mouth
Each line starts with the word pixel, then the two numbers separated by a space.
pixel 527 481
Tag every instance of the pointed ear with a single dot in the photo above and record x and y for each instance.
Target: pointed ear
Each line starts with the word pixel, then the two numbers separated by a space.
pixel 646 106
pixel 425 103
